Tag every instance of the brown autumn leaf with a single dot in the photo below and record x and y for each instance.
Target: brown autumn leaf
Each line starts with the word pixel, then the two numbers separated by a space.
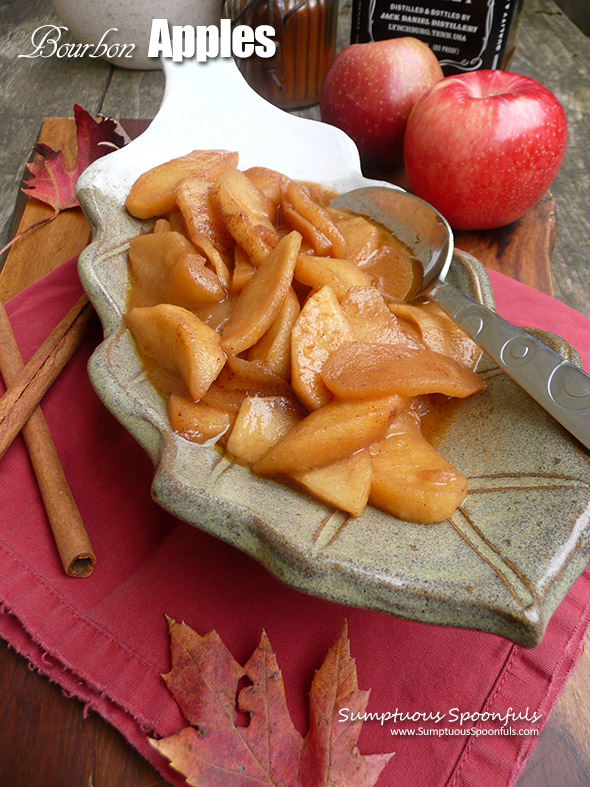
pixel 216 750
pixel 55 185
pixel 50 181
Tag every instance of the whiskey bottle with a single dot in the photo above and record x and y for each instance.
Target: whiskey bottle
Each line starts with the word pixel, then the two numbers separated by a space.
pixel 465 35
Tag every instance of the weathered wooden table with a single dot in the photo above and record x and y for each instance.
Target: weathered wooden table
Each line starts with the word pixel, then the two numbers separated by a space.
pixel 44 737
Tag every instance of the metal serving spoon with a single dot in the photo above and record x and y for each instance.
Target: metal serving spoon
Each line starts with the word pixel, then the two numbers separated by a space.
pixel 557 385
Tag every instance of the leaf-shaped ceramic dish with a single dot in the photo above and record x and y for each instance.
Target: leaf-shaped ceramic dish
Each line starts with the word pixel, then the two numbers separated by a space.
pixel 510 553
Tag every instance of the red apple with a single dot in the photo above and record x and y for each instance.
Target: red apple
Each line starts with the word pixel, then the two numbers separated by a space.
pixel 370 89
pixel 484 147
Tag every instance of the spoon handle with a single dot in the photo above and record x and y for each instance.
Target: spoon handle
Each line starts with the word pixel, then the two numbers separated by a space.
pixel 557 385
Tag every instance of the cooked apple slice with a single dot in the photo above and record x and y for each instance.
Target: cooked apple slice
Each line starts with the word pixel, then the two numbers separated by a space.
pixel 411 480
pixel 176 221
pixel 260 423
pixel 314 241
pixel 314 223
pixel 438 331
pixel 205 229
pixel 322 195
pixel 361 237
pixel 217 314
pixel 319 330
pixel 252 378
pixel 221 398
pixel 192 195
pixel 271 183
pixel 371 320
pixel 261 299
pixel 196 421
pixel 162 225
pixel 345 484
pixel 166 268
pixel 242 272
pixel 356 370
pixel 246 212
pixel 274 348
pixel 298 195
pixel 173 339
pixel 328 435
pixel 239 379
pixel 340 275
pixel 152 194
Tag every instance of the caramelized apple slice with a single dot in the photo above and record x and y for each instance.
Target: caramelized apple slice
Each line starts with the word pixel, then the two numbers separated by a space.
pixel 261 299
pixel 260 423
pixel 328 435
pixel 152 194
pixel 274 348
pixel 411 480
pixel 319 330
pixel 242 272
pixel 371 320
pixel 205 229
pixel 176 221
pixel 252 378
pixel 314 241
pixel 246 212
pixel 340 275
pixel 322 195
pixel 196 421
pixel 345 484
pixel 217 314
pixel 356 370
pixel 162 225
pixel 361 237
pixel 314 223
pixel 173 339
pixel 166 268
pixel 271 183
pixel 240 379
pixel 437 331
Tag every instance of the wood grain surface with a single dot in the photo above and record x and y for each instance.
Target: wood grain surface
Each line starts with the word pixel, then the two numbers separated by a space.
pixel 48 740
pixel 36 252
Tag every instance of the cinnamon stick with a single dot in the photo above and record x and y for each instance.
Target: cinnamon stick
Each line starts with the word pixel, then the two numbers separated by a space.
pixel 37 376
pixel 69 533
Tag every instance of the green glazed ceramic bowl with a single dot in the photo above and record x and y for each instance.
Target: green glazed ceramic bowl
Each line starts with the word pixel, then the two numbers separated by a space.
pixel 506 558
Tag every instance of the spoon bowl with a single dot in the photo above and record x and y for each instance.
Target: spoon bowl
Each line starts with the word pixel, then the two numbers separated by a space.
pixel 557 385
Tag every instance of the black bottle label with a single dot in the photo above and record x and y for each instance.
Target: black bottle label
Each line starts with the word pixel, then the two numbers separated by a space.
pixel 465 35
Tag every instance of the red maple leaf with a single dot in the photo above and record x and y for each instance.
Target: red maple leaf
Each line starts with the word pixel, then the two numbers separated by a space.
pixel 216 750
pixel 55 185
pixel 51 182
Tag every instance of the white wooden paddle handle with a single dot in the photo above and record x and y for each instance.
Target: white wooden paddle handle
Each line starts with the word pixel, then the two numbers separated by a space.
pixel 557 385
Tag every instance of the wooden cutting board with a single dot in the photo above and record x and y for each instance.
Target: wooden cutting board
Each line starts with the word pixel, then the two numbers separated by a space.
pixel 521 250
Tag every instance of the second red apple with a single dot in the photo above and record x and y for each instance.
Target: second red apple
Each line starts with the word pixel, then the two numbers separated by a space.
pixel 484 147
pixel 370 90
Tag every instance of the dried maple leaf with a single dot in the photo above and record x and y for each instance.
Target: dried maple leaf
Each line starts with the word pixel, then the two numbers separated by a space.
pixel 51 182
pixel 215 750
pixel 330 748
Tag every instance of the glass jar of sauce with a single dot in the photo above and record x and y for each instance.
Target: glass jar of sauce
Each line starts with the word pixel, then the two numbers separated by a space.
pixel 305 34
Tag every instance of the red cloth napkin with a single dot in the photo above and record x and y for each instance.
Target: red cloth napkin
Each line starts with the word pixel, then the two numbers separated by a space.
pixel 104 639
